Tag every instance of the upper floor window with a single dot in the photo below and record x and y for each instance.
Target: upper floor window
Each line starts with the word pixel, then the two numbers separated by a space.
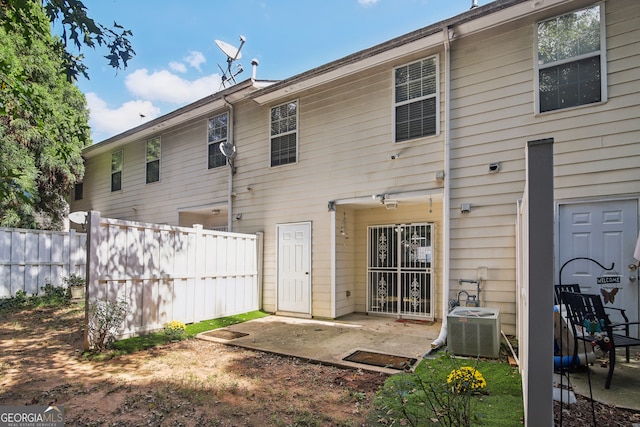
pixel 416 99
pixel 571 65
pixel 116 170
pixel 78 191
pixel 284 134
pixel 153 160
pixel 217 134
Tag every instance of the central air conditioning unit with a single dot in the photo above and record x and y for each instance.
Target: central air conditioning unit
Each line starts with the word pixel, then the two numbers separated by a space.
pixel 474 331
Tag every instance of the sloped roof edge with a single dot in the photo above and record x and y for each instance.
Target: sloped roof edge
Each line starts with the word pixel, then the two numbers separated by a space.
pixel 421 38
pixel 209 103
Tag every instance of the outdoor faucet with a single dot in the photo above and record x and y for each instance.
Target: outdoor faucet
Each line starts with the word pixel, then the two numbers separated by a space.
pixel 460 293
pixel 472 300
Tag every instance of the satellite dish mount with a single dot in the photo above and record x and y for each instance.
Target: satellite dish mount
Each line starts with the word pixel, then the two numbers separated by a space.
pixel 233 55
pixel 229 151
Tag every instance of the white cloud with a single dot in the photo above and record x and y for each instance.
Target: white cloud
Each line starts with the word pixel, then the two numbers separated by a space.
pixel 165 86
pixel 178 67
pixel 368 3
pixel 106 122
pixel 195 58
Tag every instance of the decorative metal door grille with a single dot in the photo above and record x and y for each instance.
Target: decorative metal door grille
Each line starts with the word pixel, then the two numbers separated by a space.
pixel 399 270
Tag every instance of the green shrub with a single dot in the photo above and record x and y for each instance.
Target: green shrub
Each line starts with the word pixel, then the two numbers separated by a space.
pixel 50 296
pixel 105 318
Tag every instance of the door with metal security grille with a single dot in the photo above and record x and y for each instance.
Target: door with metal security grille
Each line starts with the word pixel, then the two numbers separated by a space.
pixel 400 270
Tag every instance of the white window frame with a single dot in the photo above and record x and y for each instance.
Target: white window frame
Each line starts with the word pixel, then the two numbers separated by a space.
pixel 217 141
pixel 603 61
pixel 288 132
pixel 120 170
pixel 147 161
pixel 435 95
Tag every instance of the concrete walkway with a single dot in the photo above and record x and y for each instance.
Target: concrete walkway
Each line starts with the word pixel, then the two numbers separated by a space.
pixel 625 384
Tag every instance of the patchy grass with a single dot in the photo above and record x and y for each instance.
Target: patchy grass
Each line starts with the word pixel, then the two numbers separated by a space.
pixel 143 342
pixel 423 398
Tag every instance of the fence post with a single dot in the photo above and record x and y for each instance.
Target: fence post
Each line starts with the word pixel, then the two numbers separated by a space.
pixel 91 274
pixel 539 316
pixel 259 265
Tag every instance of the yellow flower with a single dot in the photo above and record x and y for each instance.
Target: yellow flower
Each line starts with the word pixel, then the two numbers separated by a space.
pixel 466 379
pixel 174 329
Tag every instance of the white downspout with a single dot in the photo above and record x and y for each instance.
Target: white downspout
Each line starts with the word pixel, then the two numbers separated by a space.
pixel 230 179
pixel 442 338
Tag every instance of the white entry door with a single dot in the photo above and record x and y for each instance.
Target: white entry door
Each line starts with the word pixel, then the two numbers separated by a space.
pixel 294 268
pixel 605 232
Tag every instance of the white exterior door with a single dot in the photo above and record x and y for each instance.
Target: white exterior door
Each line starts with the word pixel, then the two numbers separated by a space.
pixel 294 268
pixel 607 233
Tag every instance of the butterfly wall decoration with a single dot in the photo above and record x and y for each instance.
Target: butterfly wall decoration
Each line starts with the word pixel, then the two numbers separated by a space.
pixel 609 296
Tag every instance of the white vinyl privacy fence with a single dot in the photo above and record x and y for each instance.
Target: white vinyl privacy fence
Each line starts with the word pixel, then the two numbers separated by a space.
pixel 30 259
pixel 166 273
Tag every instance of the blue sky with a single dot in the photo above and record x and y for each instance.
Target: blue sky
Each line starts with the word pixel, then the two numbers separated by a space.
pixel 177 60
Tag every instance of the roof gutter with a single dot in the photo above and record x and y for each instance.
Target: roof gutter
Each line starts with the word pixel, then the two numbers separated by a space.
pixel 477 19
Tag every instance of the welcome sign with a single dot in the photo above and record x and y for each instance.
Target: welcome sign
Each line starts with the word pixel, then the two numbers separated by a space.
pixel 609 280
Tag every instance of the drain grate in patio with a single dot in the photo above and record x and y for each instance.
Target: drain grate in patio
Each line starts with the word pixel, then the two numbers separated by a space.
pixel 380 359
pixel 224 334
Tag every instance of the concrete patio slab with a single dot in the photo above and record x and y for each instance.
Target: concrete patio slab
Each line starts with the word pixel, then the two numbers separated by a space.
pixel 625 384
pixel 330 342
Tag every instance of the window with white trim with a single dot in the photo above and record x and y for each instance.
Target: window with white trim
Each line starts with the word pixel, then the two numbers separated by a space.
pixel 416 99
pixel 217 134
pixel 153 160
pixel 570 60
pixel 284 134
pixel 116 170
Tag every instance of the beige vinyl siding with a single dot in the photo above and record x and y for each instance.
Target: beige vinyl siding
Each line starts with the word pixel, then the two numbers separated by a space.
pixel 344 149
pixel 345 140
pixel 596 147
pixel 491 100
pixel 185 180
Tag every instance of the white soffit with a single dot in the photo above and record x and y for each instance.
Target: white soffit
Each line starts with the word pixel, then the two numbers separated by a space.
pixel 492 20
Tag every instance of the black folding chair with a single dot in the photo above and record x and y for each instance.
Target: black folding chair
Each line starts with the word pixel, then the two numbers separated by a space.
pixel 575 288
pixel 590 324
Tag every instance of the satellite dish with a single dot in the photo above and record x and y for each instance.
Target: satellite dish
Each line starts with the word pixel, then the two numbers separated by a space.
pixel 79 217
pixel 232 54
pixel 228 149
pixel 229 50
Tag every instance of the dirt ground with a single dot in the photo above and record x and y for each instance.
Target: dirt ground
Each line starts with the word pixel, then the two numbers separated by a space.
pixel 192 382
pixel 187 383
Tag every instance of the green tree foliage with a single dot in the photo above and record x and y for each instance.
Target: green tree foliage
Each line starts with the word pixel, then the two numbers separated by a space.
pixel 42 132
pixel 43 116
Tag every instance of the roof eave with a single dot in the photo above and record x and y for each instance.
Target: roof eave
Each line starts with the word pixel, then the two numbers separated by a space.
pixel 494 14
pixel 198 108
